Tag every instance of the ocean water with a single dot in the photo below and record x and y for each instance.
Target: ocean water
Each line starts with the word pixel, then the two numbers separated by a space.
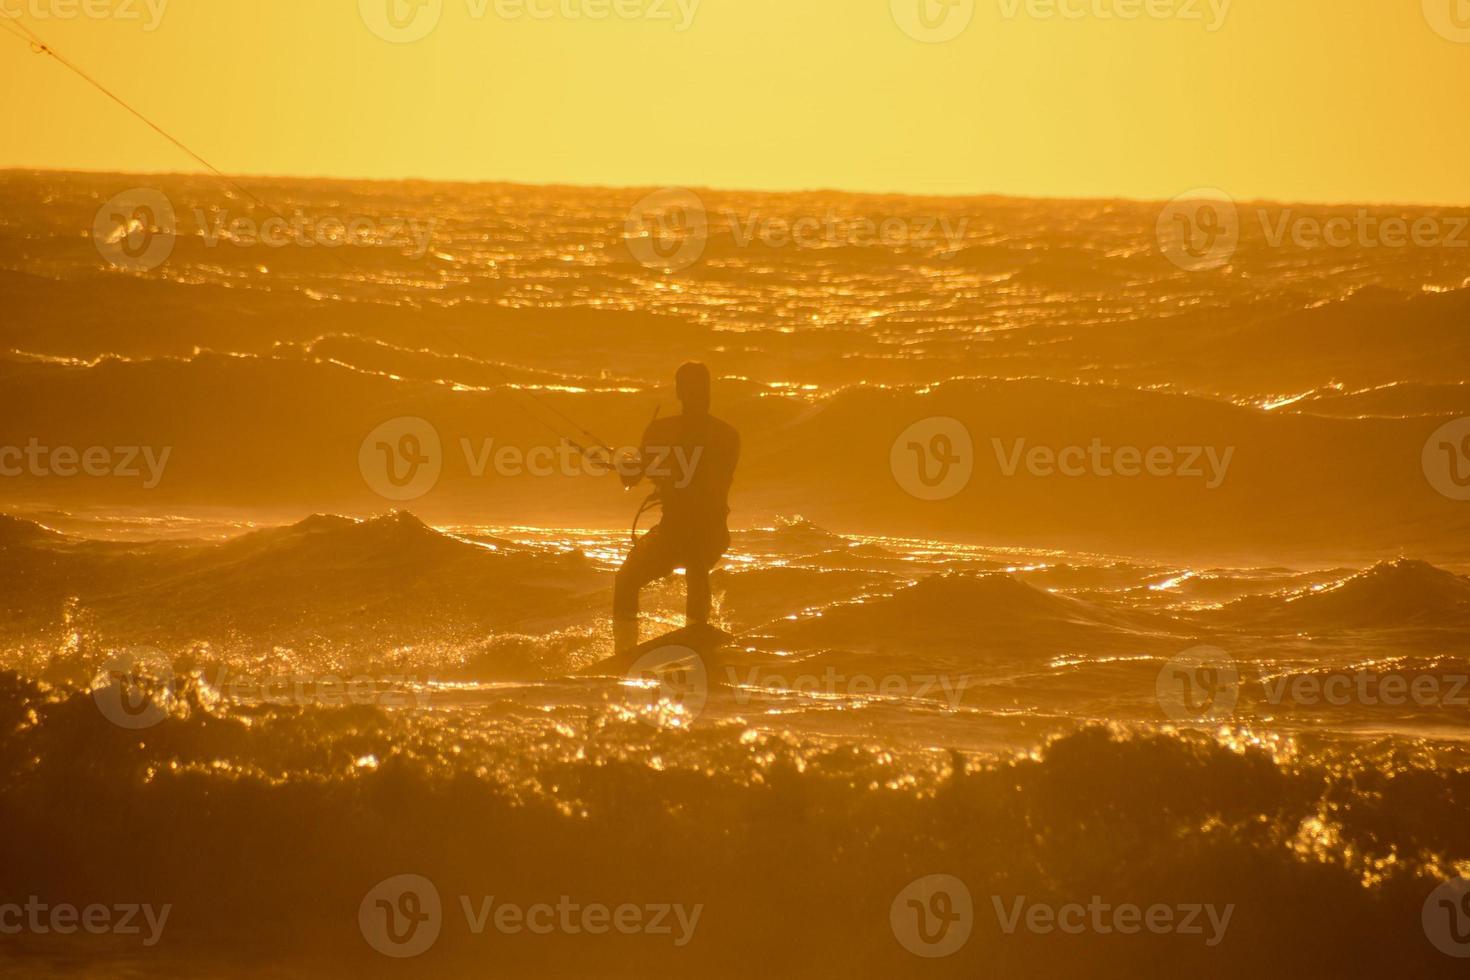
pixel 261 690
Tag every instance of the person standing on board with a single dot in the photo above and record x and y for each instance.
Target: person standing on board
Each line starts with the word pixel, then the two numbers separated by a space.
pixel 690 459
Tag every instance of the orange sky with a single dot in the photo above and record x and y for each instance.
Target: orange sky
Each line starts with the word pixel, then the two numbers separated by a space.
pixel 1286 99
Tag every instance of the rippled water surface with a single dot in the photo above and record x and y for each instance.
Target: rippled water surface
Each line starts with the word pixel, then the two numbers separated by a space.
pixel 1252 693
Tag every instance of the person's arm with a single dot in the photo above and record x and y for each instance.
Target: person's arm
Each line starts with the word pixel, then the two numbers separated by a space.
pixel 633 467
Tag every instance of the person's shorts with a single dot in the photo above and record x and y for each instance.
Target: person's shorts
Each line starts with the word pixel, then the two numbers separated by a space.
pixel 666 550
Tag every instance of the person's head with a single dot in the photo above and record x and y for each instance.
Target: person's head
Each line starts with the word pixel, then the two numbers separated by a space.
pixel 692 385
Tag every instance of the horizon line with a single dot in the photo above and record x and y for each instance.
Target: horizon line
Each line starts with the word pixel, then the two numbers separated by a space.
pixel 655 186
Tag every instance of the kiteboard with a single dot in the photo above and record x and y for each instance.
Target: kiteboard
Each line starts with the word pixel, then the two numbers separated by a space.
pixel 665 651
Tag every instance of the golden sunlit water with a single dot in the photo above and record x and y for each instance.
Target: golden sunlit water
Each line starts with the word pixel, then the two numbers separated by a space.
pixel 248 676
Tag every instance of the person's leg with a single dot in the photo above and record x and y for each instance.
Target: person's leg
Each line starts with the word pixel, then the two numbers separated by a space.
pixel 696 580
pixel 647 561
pixel 703 555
